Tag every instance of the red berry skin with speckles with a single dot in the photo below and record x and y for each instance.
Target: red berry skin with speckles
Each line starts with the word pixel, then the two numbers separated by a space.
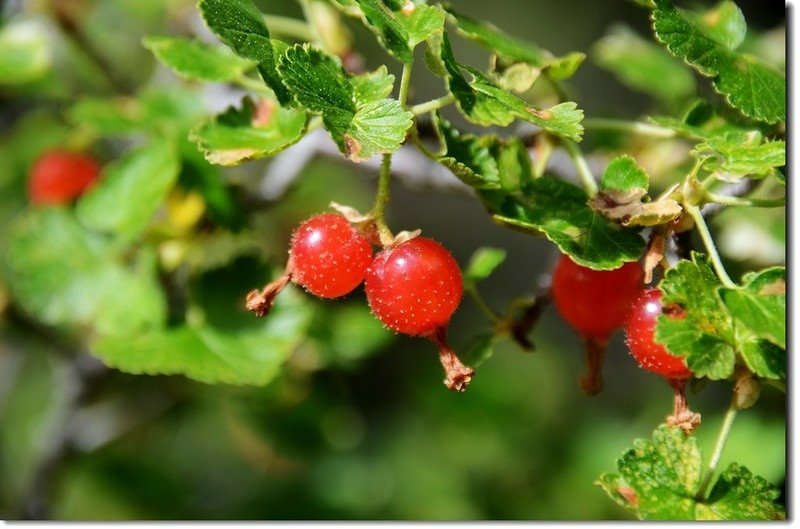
pixel 59 176
pixel 415 287
pixel 640 333
pixel 329 257
pixel 595 302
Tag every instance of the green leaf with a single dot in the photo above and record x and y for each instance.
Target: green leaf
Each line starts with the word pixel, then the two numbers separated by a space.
pixel 723 23
pixel 739 154
pixel 484 103
pixel 374 85
pixel 483 263
pixel 560 211
pixel 239 24
pixel 251 356
pixel 196 60
pixel 702 329
pixel 361 123
pixel 467 156
pixel 740 495
pixel 399 26
pixel 760 304
pixel 130 191
pixel 67 276
pixel 749 85
pixel 250 132
pixel 24 52
pixel 638 63
pixel 511 50
pixel 659 478
pixel 107 117
pixel 624 174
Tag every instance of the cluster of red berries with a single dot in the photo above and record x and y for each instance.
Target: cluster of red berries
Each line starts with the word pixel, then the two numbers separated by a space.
pixel 413 287
pixel 59 176
pixel 596 303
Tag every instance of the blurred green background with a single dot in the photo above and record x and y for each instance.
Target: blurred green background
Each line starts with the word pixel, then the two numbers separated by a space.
pixel 357 425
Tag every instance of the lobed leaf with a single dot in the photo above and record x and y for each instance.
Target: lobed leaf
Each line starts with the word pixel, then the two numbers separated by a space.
pixel 197 60
pixel 659 478
pixel 130 191
pixel 749 85
pixel 559 210
pixel 253 131
pixel 239 24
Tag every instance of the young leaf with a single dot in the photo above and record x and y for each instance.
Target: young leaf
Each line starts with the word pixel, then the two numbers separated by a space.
pixel 374 85
pixel 239 24
pixel 399 26
pixel 483 263
pixel 253 131
pixel 701 329
pixel 66 276
pixel 511 50
pixel 740 154
pixel 659 478
pixel 637 62
pixel 749 85
pixel 624 174
pixel 249 356
pixel 484 103
pixel 361 123
pixel 130 191
pixel 760 304
pixel 559 210
pixel 197 60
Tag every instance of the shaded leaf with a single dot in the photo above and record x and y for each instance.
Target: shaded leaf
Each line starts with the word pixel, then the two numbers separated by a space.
pixel 239 24
pixel 253 131
pixel 130 191
pixel 483 263
pixel 467 156
pixel 702 331
pixel 749 85
pixel 760 304
pixel 197 60
pixel 559 210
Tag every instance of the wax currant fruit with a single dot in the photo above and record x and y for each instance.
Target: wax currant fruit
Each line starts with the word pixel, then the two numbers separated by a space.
pixel 328 257
pixel 595 303
pixel 640 332
pixel 59 176
pixel 414 288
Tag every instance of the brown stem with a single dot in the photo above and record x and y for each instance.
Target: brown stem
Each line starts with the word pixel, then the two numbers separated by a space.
pixel 528 320
pixel 595 349
pixel 260 302
pixel 682 416
pixel 458 375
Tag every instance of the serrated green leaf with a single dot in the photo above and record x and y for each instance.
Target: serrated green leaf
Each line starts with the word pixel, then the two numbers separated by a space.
pixel 749 85
pixel 624 174
pixel 560 211
pixel 25 55
pixel 249 356
pixel 760 304
pixel 703 332
pixel 361 124
pixel 197 60
pixel 399 26
pixel 484 103
pixel 740 154
pixel 762 358
pixel 467 156
pixel 483 263
pixel 239 24
pixel 374 85
pixel 247 133
pixel 66 276
pixel 740 495
pixel 511 50
pixel 724 23
pixel 637 62
pixel 130 191
pixel 658 478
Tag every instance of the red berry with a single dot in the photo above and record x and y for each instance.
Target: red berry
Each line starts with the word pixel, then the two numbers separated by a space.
pixel 640 331
pixel 414 287
pixel 595 302
pixel 59 176
pixel 328 256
